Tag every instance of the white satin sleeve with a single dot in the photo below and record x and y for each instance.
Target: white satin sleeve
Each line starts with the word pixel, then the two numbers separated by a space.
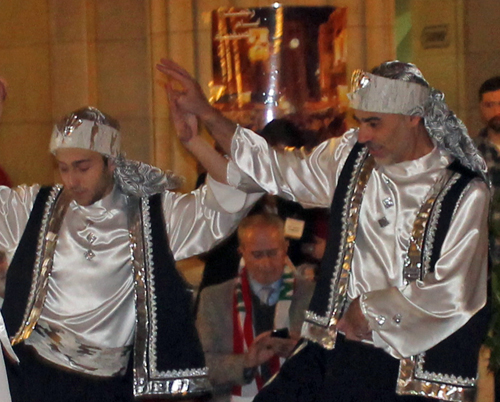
pixel 15 208
pixel 412 319
pixel 308 178
pixel 196 221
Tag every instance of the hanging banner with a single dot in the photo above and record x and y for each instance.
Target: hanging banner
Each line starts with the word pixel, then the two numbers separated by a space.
pixel 280 61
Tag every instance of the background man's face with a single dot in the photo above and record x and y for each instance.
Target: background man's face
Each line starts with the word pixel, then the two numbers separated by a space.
pixel 85 174
pixel 490 110
pixel 264 251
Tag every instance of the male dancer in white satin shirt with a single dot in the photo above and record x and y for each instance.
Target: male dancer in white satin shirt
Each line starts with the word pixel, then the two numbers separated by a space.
pixel 93 304
pixel 399 311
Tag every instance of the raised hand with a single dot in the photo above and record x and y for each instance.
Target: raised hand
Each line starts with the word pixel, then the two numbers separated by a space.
pixel 191 99
pixel 185 123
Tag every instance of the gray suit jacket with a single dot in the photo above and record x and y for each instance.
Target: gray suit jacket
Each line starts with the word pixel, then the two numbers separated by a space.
pixel 215 326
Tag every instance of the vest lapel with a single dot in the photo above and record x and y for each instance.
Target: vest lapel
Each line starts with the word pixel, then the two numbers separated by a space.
pixel 331 288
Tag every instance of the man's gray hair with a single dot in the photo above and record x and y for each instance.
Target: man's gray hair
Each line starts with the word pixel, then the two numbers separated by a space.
pixel 262 220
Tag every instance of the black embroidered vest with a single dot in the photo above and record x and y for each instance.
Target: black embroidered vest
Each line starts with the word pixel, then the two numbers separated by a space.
pixel 449 369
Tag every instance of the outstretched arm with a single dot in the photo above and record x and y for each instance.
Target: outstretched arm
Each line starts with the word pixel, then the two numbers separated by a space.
pixel 192 100
pixel 186 126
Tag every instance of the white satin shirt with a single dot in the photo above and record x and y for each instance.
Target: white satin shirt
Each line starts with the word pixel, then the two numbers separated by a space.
pixel 405 319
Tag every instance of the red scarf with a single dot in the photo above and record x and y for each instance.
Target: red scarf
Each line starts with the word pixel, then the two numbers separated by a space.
pixel 243 334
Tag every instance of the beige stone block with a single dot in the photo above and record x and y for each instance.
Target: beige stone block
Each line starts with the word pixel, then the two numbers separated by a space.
pixel 124 78
pixel 181 49
pixel 204 67
pixel 209 5
pixel 482 25
pixel 137 138
pixel 27 70
pixel 163 136
pixel 159 47
pixel 245 3
pixel 204 12
pixel 31 162
pixel 355 11
pixel 356 44
pixel 379 13
pixel 124 19
pixel 380 45
pixel 171 155
pixel 158 15
pixel 180 16
pixel 68 20
pixel 24 23
pixel 70 77
pixel 441 72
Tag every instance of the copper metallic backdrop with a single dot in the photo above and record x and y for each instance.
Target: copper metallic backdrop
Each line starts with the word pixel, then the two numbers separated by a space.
pixel 278 61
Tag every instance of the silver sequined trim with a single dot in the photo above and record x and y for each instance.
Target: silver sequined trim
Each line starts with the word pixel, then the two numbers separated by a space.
pixel 147 379
pixel 42 268
pixel 317 319
pixel 432 224
pixel 322 329
pixel 413 380
pixel 177 387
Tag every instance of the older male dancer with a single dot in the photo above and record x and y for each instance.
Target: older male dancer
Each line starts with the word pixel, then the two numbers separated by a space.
pixel 399 312
pixel 93 301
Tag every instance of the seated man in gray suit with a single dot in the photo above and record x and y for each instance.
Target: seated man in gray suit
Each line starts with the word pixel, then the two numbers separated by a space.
pixel 249 324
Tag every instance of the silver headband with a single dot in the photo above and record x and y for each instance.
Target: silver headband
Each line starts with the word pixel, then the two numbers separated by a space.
pixel 87 128
pixel 373 93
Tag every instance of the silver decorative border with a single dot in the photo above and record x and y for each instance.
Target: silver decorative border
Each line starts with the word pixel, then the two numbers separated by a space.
pixel 141 369
pixel 462 195
pixel 322 329
pixel 30 318
pixel 148 381
pixel 150 285
pixel 422 374
pixel 177 387
pixel 350 218
pixel 325 336
pixel 433 221
pixel 431 385
pixel 312 317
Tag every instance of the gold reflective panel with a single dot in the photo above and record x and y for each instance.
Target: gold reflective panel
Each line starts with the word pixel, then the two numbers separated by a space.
pixel 279 61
